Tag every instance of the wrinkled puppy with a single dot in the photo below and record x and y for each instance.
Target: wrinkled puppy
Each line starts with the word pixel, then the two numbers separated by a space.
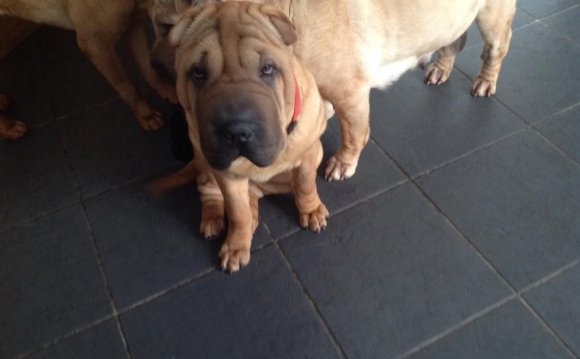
pixel 100 26
pixel 255 118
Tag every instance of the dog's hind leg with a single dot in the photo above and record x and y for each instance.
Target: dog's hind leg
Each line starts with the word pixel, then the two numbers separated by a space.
pixel 97 41
pixel 438 72
pixel 495 24
pixel 139 47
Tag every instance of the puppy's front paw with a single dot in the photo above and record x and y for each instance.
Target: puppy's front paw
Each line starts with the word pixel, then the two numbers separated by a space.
pixel 337 170
pixel 315 220
pixel 483 87
pixel 233 258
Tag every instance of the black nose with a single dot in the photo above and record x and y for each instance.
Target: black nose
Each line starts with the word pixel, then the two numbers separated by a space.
pixel 237 132
pixel 237 124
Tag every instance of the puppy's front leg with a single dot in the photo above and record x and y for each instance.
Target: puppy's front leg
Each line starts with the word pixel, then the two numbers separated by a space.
pixel 235 252
pixel 313 213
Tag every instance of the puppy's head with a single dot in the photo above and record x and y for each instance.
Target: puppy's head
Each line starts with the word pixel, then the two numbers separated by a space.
pixel 235 79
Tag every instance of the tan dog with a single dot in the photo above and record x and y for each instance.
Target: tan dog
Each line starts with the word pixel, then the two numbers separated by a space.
pixel 100 25
pixel 255 119
pixel 353 46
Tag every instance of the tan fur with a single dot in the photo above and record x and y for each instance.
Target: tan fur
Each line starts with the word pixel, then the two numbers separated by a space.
pixel 352 46
pixel 237 189
pixel 99 26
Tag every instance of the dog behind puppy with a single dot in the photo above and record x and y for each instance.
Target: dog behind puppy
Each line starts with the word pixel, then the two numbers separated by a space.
pixel 99 26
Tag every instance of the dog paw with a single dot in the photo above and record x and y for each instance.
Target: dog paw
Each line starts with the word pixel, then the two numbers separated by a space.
pixel 233 259
pixel 12 129
pixel 315 220
pixel 436 76
pixel 337 170
pixel 5 103
pixel 149 119
pixel 211 226
pixel 482 87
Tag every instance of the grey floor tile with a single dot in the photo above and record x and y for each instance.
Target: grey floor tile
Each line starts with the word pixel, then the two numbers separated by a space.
pixel 558 302
pixel 422 127
pixel 375 172
pixel 260 312
pixel 101 341
pixel 390 273
pixel 518 202
pixel 539 76
pixel 34 177
pixel 506 333
pixel 566 23
pixel 149 244
pixel 541 8
pixel 107 148
pixel 49 280
pixel 564 131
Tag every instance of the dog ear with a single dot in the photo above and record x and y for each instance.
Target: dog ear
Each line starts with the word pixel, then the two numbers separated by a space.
pixel 282 24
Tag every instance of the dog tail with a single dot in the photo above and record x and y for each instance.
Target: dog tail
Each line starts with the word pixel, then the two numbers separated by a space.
pixel 185 176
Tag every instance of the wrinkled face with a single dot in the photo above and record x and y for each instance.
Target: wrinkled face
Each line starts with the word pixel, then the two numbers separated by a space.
pixel 235 79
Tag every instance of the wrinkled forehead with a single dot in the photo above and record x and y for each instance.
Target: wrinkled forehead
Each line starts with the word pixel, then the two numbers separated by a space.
pixel 237 33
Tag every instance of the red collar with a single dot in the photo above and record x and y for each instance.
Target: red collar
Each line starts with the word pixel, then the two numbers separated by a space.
pixel 297 106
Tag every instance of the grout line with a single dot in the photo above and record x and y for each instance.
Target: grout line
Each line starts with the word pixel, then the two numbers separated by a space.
pixel 556 147
pixel 317 310
pixel 106 283
pixel 165 291
pixel 116 313
pixel 72 333
pixel 549 277
pixel 347 207
pixel 457 326
pixel 559 12
pixel 468 154
pixel 547 327
pixel 97 255
pixel 39 217
pixel 556 114
pixel 515 295
pixel 466 239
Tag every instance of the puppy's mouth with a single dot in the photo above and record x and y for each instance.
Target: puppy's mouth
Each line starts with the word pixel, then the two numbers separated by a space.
pixel 222 156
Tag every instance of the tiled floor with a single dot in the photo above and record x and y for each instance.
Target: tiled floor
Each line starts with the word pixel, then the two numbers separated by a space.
pixel 459 236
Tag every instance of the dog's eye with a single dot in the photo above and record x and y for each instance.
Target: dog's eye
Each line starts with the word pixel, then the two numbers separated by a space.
pixel 198 73
pixel 268 70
